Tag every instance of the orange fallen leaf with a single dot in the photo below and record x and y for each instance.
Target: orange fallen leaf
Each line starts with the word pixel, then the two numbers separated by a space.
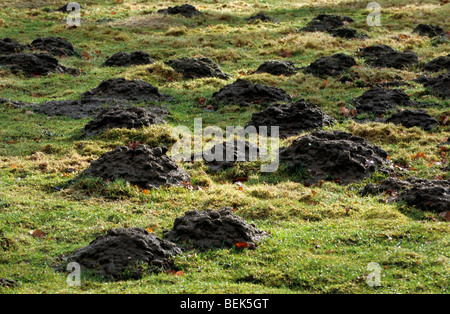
pixel 445 215
pixel 149 229
pixel 146 192
pixel 37 234
pixel 242 245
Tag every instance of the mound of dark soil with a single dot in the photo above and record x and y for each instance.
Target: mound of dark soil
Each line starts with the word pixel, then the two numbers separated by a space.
pixel 387 57
pixel 13 103
pixel 225 154
pixel 76 109
pixel 55 46
pixel 429 195
pixel 122 89
pixel 9 46
pixel 438 64
pixel 334 155
pixel 439 86
pixel 119 117
pixel 291 119
pixel 412 118
pixel 331 66
pixel 261 17
pixel 213 229
pixel 245 93
pixel 197 68
pixel 142 166
pixel 125 253
pixel 428 30
pixel 347 32
pixel 34 64
pixel 64 8
pixel 326 22
pixel 276 67
pixel 125 59
pixel 186 10
pixel 378 101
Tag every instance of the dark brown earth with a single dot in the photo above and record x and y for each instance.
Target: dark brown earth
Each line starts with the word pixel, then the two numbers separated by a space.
pixel 245 93
pixel 326 22
pixel 336 155
pixel 9 46
pixel 331 66
pixel 55 46
pixel 39 64
pixel 143 166
pixel 120 117
pixel 211 229
pixel 125 254
pixel 197 68
pixel 411 118
pixel 429 30
pixel 277 67
pixel 292 119
pixel 125 59
pixel 185 10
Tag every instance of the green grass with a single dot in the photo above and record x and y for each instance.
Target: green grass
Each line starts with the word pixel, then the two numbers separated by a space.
pixel 321 238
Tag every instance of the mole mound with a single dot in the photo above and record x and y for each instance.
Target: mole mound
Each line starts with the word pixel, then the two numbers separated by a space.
pixel 9 46
pixel 55 46
pixel 142 166
pixel 245 93
pixel 387 57
pixel 276 67
pixel 326 22
pixel 291 119
pixel 76 109
pixel 439 86
pixel 412 118
pixel 225 154
pixel 186 10
pixel 261 17
pixel 125 59
pixel 331 66
pixel 34 64
pixel 125 253
pixel 428 30
pixel 119 117
pixel 197 68
pixel 347 32
pixel 120 88
pixel 333 155
pixel 429 195
pixel 213 229
pixel 378 101
pixel 438 64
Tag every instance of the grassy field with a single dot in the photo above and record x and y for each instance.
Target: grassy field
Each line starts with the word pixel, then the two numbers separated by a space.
pixel 321 238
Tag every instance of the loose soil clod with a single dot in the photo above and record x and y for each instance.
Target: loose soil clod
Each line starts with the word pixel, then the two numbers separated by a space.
pixel 378 101
pixel 143 166
pixel 429 195
pixel 119 117
pixel 225 154
pixel 347 32
pixel 326 22
pixel 429 30
pixel 197 68
pixel 213 229
pixel 336 155
pixel 186 10
pixel 125 59
pixel 412 118
pixel 438 64
pixel 245 93
pixel 9 46
pixel 122 89
pixel 125 254
pixel 387 57
pixel 331 66
pixel 55 46
pixel 439 86
pixel 291 119
pixel 34 64
pixel 276 67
